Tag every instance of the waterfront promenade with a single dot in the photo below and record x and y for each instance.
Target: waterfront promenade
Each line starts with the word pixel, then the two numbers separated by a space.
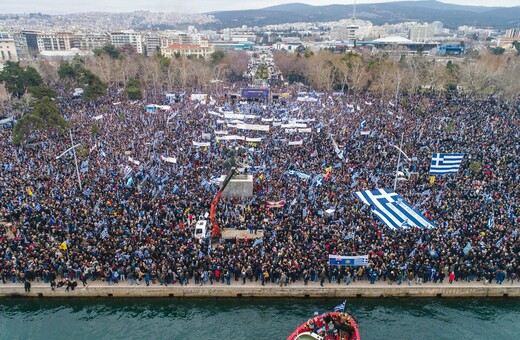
pixel 237 290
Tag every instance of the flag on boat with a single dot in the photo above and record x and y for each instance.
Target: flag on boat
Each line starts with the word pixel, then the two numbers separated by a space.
pixel 392 209
pixel 445 163
pixel 349 261
pixel 340 307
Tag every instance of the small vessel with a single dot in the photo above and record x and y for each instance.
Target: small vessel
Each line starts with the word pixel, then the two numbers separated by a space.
pixel 328 326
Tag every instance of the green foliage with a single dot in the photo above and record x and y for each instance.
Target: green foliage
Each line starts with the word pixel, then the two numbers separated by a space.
pixel 451 86
pixel 95 87
pixel 452 67
pixel 133 89
pixel 18 79
pixel 109 50
pixel 498 50
pixel 450 127
pixel 475 166
pixel 44 116
pixel 163 61
pixel 217 56
pixel 39 92
pixel 94 129
pixel 308 54
pixel 68 72
pixel 516 44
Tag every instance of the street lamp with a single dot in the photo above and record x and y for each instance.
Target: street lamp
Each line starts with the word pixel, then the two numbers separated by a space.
pixel 73 148
pixel 399 160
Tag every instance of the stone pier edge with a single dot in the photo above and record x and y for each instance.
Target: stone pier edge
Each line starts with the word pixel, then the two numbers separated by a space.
pixel 264 292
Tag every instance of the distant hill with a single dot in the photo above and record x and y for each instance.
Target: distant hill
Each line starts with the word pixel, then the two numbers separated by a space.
pixel 391 12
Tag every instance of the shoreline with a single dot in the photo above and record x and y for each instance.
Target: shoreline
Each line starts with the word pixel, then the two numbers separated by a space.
pixel 296 290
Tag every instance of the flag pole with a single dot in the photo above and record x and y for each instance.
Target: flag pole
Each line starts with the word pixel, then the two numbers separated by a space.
pixel 398 162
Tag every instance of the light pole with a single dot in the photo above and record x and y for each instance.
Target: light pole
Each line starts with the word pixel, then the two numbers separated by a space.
pixel 73 148
pixel 399 161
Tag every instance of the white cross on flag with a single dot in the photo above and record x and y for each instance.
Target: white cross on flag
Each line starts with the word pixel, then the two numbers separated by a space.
pixel 445 163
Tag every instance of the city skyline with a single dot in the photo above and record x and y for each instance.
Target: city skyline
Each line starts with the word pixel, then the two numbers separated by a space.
pixel 194 6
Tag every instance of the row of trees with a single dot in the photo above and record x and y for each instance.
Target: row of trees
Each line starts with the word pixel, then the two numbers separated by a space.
pixel 387 74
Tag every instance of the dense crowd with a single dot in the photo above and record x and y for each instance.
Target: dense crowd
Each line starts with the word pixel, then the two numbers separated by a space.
pixel 133 220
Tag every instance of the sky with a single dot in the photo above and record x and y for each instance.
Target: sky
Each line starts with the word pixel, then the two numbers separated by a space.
pixel 187 6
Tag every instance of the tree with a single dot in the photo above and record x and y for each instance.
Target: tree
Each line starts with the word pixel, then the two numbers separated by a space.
pixel 95 87
pixel 68 72
pixel 18 79
pixel 39 92
pixel 498 50
pixel 44 117
pixel 217 56
pixel 516 44
pixel 109 50
pixel 133 89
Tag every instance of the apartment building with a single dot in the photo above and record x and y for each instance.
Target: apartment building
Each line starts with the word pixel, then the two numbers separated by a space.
pixel 123 38
pixel 7 48
pixel 59 41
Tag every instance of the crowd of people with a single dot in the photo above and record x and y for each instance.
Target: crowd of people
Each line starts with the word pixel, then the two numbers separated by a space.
pixel 144 184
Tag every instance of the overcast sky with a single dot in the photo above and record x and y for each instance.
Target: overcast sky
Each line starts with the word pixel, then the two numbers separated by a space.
pixel 186 6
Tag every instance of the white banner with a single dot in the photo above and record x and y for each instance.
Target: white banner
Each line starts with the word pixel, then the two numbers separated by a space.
pixel 305 130
pixel 238 116
pixel 298 142
pixel 131 160
pixel 365 132
pixel 230 137
pixel 201 143
pixel 267 119
pixel 206 135
pixel 291 130
pixel 294 125
pixel 221 132
pixel 169 159
pixel 7 120
pixel 97 117
pixel 213 113
pixel 256 127
pixel 254 140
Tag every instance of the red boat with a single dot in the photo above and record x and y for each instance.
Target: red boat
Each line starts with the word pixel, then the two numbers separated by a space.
pixel 328 326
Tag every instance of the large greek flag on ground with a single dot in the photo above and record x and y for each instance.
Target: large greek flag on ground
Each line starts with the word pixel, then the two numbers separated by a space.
pixel 445 163
pixel 392 210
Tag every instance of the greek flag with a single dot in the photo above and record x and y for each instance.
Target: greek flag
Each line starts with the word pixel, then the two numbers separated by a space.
pixel 104 233
pixel 445 163
pixel 491 221
pixel 349 236
pixel 258 241
pixel 392 210
pixel 467 248
pixel 297 173
pixel 340 307
pixel 499 242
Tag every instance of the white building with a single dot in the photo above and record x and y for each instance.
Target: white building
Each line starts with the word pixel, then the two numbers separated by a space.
pixel 7 48
pixel 132 38
pixel 59 41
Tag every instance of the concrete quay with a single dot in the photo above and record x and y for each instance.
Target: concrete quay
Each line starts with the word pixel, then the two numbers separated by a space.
pixel 296 290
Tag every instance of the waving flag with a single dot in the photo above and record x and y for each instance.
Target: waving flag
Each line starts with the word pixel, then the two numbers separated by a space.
pixel 491 221
pixel 340 307
pixel 104 234
pixel 445 163
pixel 392 210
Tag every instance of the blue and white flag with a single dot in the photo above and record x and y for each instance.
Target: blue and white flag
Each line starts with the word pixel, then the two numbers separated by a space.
pixel 317 181
pixel 467 248
pixel 413 252
pixel 340 307
pixel 349 236
pixel 445 163
pixel 104 233
pixel 363 124
pixel 491 221
pixel 258 241
pixel 297 173
pixel 349 261
pixel 392 210
pixel 499 242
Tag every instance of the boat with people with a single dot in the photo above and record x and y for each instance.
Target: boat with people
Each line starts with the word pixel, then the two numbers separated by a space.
pixel 337 325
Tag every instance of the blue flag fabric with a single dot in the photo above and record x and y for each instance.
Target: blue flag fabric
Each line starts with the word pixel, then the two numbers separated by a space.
pixel 445 163
pixel 392 210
